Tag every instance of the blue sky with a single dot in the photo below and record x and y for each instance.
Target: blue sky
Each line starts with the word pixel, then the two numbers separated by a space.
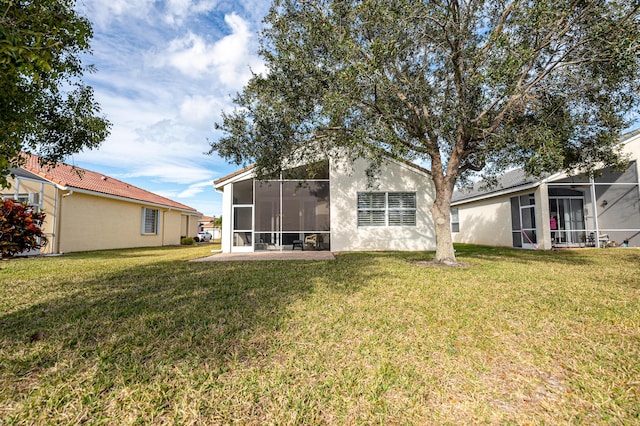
pixel 165 71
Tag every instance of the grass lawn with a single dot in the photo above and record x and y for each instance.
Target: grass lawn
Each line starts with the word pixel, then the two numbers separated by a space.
pixel 141 336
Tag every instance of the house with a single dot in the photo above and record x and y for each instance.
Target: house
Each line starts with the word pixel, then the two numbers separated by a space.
pixel 561 210
pixel 207 224
pixel 91 211
pixel 329 205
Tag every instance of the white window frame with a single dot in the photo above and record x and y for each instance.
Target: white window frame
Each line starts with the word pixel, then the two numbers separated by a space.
pixel 455 219
pixel 156 224
pixel 387 209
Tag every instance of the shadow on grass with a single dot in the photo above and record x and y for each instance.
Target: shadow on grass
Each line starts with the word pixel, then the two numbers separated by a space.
pixel 132 325
pixel 578 257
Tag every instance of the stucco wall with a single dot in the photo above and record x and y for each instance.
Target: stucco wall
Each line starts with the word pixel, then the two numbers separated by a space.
pixel 349 179
pixel 227 205
pixel 79 222
pixel 88 222
pixel 486 222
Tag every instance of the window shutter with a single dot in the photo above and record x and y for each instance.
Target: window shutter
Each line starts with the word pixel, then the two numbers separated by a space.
pixel 150 221
pixel 402 200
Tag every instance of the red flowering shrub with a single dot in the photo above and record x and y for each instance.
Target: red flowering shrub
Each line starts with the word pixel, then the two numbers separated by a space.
pixel 20 228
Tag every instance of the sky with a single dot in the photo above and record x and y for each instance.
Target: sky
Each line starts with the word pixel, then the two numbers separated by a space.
pixel 165 72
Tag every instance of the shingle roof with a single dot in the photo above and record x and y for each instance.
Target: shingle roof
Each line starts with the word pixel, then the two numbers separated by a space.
pixel 76 177
pixel 510 180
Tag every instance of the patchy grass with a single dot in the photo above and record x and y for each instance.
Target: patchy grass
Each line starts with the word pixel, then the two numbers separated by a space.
pixel 141 336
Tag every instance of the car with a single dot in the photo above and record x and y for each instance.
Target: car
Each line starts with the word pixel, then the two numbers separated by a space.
pixel 203 237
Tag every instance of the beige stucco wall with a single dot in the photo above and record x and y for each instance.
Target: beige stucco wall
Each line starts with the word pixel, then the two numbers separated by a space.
pixel 347 179
pixel 77 221
pixel 486 222
pixel 89 222
pixel 632 147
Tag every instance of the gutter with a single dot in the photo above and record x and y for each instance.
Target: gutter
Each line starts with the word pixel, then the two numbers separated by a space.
pixel 495 194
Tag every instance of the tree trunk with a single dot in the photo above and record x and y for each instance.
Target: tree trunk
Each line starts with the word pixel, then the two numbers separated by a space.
pixel 441 213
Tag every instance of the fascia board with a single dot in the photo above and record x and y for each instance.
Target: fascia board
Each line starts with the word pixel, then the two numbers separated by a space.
pixel 500 193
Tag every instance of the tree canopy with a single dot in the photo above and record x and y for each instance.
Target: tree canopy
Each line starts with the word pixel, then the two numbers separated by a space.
pixel 462 86
pixel 44 106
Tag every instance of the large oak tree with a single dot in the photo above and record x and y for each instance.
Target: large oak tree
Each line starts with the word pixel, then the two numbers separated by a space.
pixel 463 86
pixel 45 108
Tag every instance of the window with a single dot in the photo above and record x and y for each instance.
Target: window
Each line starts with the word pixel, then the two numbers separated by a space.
pixel 149 221
pixel 386 209
pixel 455 220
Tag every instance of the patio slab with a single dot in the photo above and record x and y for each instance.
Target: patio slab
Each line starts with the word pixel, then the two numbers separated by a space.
pixel 269 255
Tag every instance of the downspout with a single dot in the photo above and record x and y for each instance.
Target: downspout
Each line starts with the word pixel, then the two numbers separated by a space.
pixel 68 194
pixel 595 210
pixel 54 221
pixel 16 191
pixel 164 226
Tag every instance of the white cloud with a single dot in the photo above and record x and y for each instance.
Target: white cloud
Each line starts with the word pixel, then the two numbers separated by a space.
pixel 184 173
pixel 102 13
pixel 229 60
pixel 201 111
pixel 196 189
pixel 179 10
pixel 166 69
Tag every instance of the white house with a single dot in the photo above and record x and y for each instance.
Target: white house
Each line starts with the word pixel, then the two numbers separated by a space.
pixel 331 205
pixel 561 210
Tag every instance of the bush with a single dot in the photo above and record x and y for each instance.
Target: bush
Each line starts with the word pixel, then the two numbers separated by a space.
pixel 187 241
pixel 20 228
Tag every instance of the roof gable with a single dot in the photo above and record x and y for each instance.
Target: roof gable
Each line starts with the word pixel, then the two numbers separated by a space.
pixel 75 177
pixel 218 183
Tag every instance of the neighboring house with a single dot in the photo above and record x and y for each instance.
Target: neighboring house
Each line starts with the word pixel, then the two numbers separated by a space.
pixel 90 211
pixel 206 224
pixel 558 211
pixel 329 206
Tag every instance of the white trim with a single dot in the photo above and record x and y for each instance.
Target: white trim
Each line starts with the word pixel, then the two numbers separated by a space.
pixel 500 193
pixel 248 174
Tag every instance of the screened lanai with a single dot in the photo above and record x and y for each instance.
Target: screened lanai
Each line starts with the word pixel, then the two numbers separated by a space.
pixel 289 213
pixel 597 212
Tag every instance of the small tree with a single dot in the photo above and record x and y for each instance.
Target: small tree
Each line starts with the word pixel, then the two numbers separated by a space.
pixel 463 86
pixel 20 228
pixel 217 222
pixel 45 108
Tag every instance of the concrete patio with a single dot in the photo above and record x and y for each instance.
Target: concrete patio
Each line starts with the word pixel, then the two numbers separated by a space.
pixel 268 255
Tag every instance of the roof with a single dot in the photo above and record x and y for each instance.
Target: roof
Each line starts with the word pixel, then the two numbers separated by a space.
pixel 510 181
pixel 628 136
pixel 73 177
pixel 232 175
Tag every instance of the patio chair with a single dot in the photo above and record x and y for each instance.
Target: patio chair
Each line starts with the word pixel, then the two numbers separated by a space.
pixel 311 240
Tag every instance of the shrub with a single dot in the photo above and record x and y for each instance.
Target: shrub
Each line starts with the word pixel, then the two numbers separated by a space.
pixel 20 228
pixel 187 241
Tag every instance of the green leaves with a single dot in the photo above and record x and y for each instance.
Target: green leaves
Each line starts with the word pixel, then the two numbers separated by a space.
pixel 440 77
pixel 40 47
pixel 547 84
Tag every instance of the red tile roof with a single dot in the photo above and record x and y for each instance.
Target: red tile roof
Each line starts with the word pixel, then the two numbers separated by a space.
pixel 76 177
